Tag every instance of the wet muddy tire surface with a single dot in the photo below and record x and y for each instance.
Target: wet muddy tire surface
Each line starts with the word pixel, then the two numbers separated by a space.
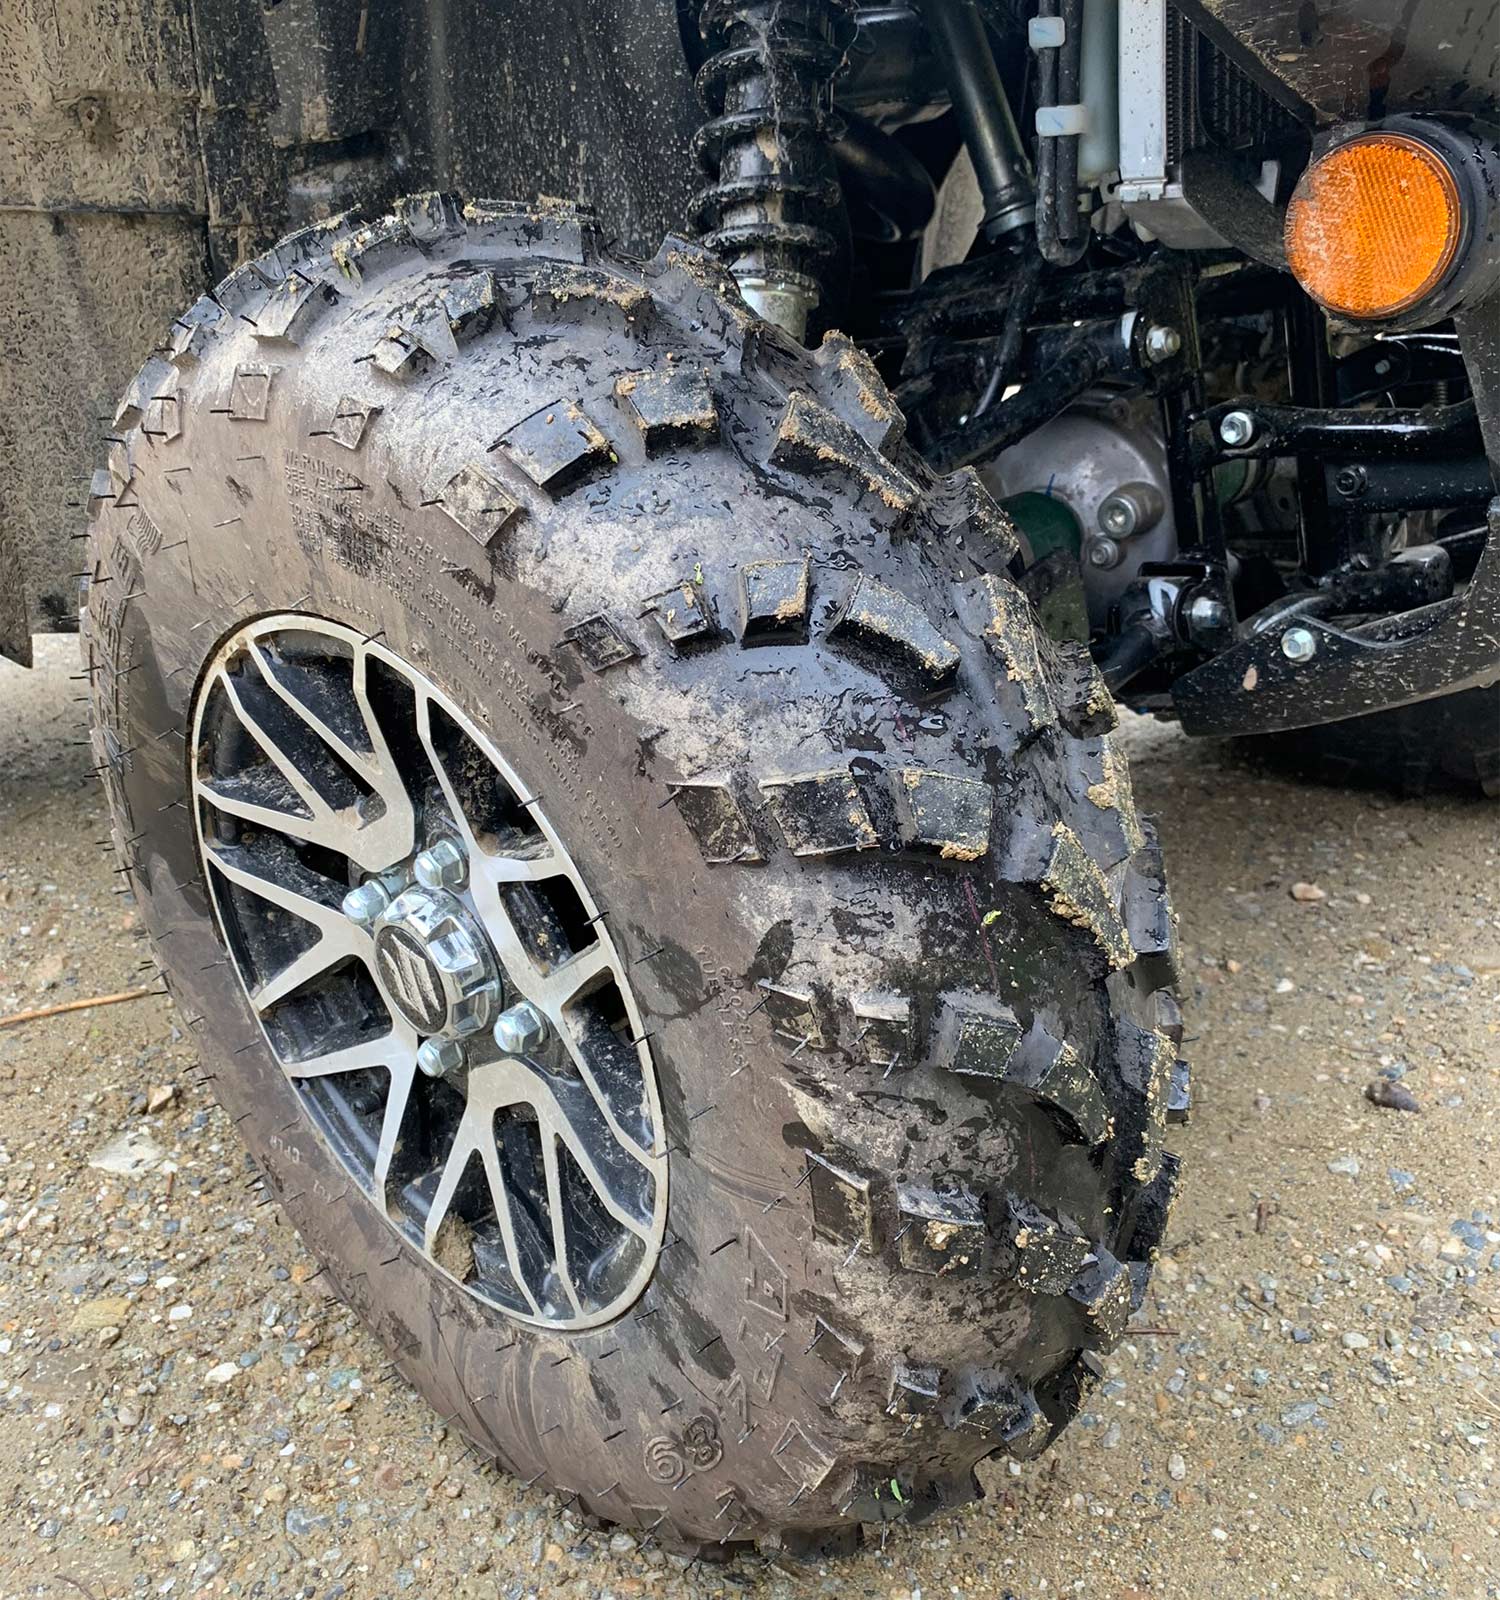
pixel 899 940
pixel 1452 742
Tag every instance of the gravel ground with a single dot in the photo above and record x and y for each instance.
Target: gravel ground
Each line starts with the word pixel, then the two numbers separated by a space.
pixel 1308 1405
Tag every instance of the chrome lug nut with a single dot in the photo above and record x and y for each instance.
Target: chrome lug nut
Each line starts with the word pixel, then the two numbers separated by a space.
pixel 441 866
pixel 365 903
pixel 1299 644
pixel 1236 429
pixel 438 1057
pixel 520 1029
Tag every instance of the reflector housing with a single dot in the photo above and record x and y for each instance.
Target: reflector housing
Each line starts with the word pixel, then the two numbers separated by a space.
pixel 1374 225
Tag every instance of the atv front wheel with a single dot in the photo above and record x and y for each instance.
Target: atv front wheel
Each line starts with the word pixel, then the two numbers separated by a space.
pixel 677 941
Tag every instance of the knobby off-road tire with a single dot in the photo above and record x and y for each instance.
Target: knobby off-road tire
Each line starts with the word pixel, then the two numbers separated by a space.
pixel 861 838
pixel 1452 742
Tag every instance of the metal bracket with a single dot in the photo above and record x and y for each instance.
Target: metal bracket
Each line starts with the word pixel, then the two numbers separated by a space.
pixel 1394 661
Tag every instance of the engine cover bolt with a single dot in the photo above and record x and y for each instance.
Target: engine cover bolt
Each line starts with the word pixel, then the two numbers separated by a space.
pixel 1236 429
pixel 1132 508
pixel 441 866
pixel 521 1029
pixel 1162 342
pixel 1299 644
pixel 364 904
pixel 1104 553
pixel 438 1057
pixel 1117 516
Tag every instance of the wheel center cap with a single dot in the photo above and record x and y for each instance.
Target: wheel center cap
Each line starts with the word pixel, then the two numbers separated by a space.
pixel 435 965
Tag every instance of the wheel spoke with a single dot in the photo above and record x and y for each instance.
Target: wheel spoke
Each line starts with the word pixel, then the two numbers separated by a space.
pixel 559 1226
pixel 567 1112
pixel 280 677
pixel 328 831
pixel 465 1143
pixel 294 889
pixel 394 834
pixel 372 836
pixel 445 780
pixel 564 983
pixel 607 1189
pixel 327 820
pixel 494 868
pixel 381 1052
pixel 552 993
pixel 403 1072
pixel 330 949
pixel 499 870
pixel 500 1196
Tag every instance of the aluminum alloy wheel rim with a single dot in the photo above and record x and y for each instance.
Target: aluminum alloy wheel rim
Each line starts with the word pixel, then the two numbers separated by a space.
pixel 320 760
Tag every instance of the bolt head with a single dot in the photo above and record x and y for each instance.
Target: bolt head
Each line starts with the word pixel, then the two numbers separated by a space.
pixel 1117 516
pixel 1299 644
pixel 1207 615
pixel 520 1029
pixel 1162 342
pixel 438 1057
pixel 1236 428
pixel 1104 553
pixel 365 903
pixel 441 866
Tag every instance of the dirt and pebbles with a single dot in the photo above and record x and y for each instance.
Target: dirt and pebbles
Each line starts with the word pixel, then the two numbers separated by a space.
pixel 1308 1405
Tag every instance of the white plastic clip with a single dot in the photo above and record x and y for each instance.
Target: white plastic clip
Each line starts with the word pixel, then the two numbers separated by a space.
pixel 1046 33
pixel 1057 122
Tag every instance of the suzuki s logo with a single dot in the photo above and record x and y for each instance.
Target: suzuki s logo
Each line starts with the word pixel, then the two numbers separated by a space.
pixel 410 980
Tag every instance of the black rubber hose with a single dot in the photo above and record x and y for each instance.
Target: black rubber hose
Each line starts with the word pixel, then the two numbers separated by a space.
pixel 1039 401
pixel 984 114
pixel 1017 319
pixel 1059 77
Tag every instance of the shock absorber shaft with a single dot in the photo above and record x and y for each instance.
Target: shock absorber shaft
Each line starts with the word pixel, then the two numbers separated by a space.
pixel 773 211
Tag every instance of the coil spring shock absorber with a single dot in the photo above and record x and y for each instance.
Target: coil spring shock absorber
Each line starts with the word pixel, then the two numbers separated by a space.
pixel 773 212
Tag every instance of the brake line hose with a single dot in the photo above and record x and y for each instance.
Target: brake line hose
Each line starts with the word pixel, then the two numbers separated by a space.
pixel 1056 35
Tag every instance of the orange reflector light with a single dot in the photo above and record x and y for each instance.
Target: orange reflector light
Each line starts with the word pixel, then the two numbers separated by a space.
pixel 1373 225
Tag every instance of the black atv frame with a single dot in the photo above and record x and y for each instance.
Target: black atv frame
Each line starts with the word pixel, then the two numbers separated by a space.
pixel 207 128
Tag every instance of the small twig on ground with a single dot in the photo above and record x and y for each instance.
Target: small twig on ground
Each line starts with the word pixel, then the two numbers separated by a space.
pixel 35 1015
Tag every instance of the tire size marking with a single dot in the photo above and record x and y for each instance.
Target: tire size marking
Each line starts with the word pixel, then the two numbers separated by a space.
pixel 142 534
pixel 314 1185
pixel 766 1280
pixel 731 1012
pixel 670 1458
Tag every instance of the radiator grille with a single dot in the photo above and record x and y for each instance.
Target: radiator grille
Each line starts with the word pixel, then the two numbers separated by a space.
pixel 1211 103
